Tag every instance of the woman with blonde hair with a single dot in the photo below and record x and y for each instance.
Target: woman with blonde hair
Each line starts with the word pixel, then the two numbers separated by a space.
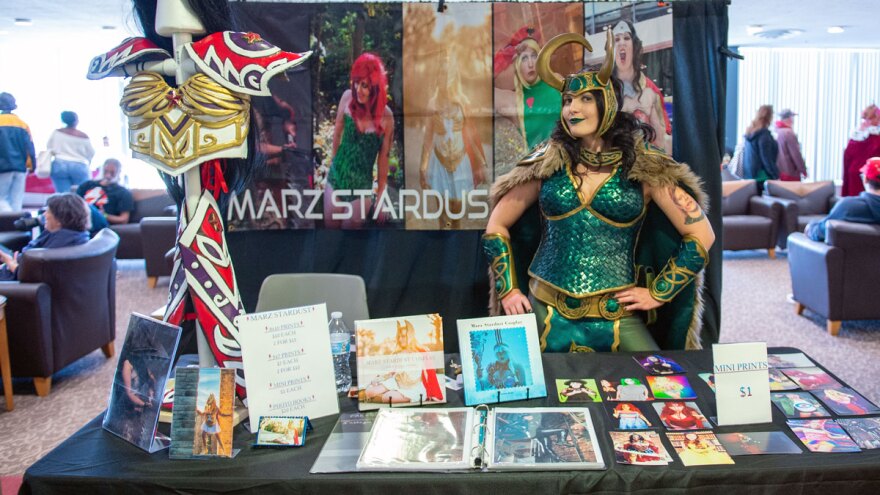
pixel 761 150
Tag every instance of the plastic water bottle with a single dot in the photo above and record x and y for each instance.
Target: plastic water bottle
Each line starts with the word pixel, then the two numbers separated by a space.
pixel 340 339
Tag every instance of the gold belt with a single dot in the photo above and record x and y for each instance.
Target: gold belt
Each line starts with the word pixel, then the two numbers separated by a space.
pixel 596 306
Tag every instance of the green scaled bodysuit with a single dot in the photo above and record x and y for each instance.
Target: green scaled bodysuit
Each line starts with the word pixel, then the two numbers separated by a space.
pixel 590 248
pixel 353 163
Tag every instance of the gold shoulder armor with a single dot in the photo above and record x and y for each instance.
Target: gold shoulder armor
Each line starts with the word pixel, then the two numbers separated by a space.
pixel 536 155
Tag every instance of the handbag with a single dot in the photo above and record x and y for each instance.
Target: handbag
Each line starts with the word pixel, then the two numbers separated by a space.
pixel 44 164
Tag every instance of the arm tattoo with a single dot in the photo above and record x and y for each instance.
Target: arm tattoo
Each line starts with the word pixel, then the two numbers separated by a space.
pixel 691 209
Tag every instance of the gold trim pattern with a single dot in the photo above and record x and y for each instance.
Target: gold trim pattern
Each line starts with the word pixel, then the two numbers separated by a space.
pixel 547 326
pixel 603 306
pixel 498 248
pixel 673 278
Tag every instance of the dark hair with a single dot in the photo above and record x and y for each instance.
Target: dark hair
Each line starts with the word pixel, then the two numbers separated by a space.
pixel 7 103
pixel 216 16
pixel 69 118
pixel 71 211
pixel 113 161
pixel 875 184
pixel 622 134
pixel 636 57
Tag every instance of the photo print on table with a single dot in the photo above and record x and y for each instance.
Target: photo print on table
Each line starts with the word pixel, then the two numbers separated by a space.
pixel 698 448
pixel 625 389
pixel 811 378
pixel 822 435
pixel 671 387
pixel 758 442
pixel 282 431
pixel 864 431
pixel 845 401
pixel 678 415
pixel 202 422
pixel 656 364
pixel 641 448
pixel 789 360
pixel 577 390
pixel 779 382
pixel 629 416
pixel 709 378
pixel 798 405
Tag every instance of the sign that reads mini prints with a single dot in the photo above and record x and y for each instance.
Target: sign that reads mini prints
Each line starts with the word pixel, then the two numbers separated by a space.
pixel 742 389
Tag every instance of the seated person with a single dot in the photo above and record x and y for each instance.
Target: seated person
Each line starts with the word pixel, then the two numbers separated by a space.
pixel 111 198
pixel 66 224
pixel 864 208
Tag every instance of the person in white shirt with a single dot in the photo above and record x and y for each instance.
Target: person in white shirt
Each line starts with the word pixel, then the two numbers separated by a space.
pixel 72 151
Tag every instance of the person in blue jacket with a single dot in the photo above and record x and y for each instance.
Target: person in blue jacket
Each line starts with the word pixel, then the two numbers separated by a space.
pixel 864 208
pixel 67 222
pixel 760 150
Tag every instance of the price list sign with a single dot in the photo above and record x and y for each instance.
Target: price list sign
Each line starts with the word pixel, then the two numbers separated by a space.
pixel 742 383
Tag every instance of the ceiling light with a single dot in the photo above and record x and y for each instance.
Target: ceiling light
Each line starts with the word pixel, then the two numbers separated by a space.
pixel 21 21
pixel 754 29
pixel 835 30
pixel 108 28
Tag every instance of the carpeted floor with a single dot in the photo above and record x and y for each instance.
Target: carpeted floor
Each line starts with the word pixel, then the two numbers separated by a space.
pixel 754 309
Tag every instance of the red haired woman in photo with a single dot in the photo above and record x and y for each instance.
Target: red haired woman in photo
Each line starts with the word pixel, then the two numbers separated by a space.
pixel 362 138
pixel 680 416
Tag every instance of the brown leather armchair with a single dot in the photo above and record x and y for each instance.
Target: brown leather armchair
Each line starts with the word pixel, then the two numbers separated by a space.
pixel 839 278
pixel 159 234
pixel 11 237
pixel 62 308
pixel 802 202
pixel 749 221
pixel 147 203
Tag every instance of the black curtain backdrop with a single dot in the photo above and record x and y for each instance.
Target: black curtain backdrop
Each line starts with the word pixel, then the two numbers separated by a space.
pixel 699 29
pixel 415 272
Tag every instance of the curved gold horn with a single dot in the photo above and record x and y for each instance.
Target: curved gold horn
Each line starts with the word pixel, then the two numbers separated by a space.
pixel 604 74
pixel 544 71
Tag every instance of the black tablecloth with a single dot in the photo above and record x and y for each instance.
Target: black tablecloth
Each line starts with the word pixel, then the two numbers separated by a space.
pixel 94 461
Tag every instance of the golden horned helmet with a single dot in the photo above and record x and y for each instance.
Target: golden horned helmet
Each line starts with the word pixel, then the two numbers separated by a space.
pixel 575 84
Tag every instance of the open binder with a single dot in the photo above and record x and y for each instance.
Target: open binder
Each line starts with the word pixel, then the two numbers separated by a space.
pixel 451 439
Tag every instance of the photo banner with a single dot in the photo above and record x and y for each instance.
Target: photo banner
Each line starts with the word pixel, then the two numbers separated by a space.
pixel 404 116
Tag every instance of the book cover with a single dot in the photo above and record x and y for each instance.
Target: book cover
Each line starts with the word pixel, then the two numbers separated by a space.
pixel 202 423
pixel 501 359
pixel 288 363
pixel 141 372
pixel 543 439
pixel 400 361
pixel 419 439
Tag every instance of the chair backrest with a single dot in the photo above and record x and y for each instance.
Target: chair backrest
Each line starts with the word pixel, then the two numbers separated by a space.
pixel 83 284
pixel 735 196
pixel 812 198
pixel 346 293
pixel 150 203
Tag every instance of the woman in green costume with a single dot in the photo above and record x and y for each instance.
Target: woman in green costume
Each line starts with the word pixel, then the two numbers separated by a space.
pixel 361 139
pixel 621 229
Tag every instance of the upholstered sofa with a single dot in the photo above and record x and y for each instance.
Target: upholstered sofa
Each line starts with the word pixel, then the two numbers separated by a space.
pixel 840 278
pixel 62 308
pixel 11 237
pixel 802 202
pixel 749 221
pixel 147 203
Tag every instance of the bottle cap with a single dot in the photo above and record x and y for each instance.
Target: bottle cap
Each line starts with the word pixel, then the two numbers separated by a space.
pixel 336 314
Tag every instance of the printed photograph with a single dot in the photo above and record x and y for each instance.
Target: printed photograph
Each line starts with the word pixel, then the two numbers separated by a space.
pixel 845 401
pixel 699 448
pixel 642 59
pixel 542 438
pixel 628 416
pixel 758 442
pixel 213 427
pixel 798 405
pixel 447 100
pixel 415 437
pixel 400 361
pixel 281 431
pixel 789 360
pixel 811 378
pixel 709 378
pixel 671 387
pixel 677 415
pixel 526 108
pixel 625 389
pixel 822 435
pixel 778 381
pixel 500 358
pixel 656 364
pixel 577 390
pixel 642 448
pixel 864 431
pixel 357 112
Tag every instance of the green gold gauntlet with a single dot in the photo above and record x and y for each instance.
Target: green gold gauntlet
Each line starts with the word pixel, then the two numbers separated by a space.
pixel 500 256
pixel 680 270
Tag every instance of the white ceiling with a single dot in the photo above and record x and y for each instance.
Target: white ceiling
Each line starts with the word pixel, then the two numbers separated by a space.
pixel 859 17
